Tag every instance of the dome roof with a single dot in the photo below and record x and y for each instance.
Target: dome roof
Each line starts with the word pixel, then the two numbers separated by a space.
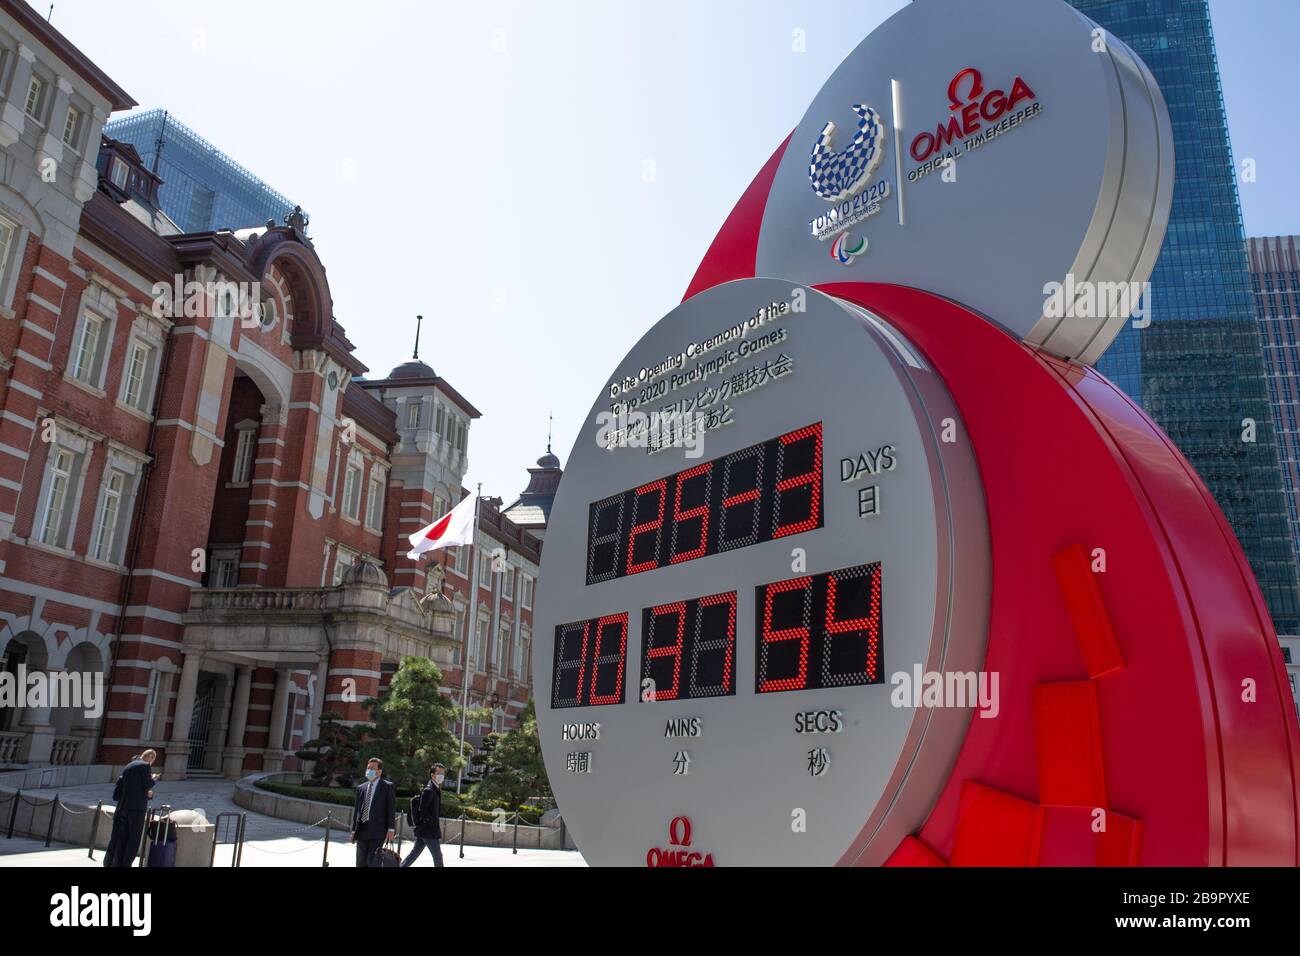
pixel 548 461
pixel 365 573
pixel 412 369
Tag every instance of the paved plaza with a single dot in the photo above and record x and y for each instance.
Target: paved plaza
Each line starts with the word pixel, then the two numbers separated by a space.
pixel 268 841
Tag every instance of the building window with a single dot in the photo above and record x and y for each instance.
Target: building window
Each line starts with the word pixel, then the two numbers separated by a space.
pixel 223 572
pixel 485 570
pixel 524 667
pixel 460 631
pixel 481 642
pixel 147 730
pixel 52 528
pixel 508 583
pixel 352 488
pixel 375 501
pixel 35 91
pixel 502 644
pixel 413 415
pixel 342 561
pixel 85 367
pixel 136 381
pixel 527 598
pixel 245 448
pixel 107 528
pixel 71 126
pixel 118 173
pixel 7 233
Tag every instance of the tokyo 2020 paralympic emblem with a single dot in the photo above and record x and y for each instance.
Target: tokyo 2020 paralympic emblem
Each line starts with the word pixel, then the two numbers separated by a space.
pixel 837 175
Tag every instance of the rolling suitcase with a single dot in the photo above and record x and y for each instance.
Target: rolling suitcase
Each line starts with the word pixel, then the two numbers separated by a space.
pixel 162 839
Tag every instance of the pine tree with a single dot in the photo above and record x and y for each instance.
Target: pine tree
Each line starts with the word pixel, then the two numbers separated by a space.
pixel 516 772
pixel 412 724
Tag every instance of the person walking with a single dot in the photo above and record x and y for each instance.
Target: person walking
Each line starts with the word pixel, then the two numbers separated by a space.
pixel 132 793
pixel 374 817
pixel 428 824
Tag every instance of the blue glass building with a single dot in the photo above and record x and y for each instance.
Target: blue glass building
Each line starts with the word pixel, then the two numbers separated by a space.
pixel 1198 369
pixel 203 188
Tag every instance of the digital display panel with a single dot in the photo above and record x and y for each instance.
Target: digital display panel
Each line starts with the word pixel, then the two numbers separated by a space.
pixel 765 491
pixel 820 630
pixel 590 661
pixel 688 648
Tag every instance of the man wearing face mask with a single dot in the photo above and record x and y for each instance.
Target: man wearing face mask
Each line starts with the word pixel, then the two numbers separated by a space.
pixel 374 818
pixel 428 827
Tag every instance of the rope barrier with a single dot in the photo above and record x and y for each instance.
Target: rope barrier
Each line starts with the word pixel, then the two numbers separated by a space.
pixel 74 811
pixel 299 849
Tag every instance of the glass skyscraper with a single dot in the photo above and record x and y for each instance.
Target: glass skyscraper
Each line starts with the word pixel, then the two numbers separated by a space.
pixel 203 188
pixel 1275 276
pixel 1198 369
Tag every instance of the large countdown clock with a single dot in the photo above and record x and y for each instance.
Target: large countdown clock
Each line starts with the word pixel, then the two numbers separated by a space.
pixel 728 582
pixel 864 563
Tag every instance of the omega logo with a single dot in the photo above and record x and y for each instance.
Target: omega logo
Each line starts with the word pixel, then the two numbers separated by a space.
pixel 976 106
pixel 679 835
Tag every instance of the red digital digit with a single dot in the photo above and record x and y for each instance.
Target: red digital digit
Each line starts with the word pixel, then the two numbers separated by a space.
pixel 726 643
pixel 564 663
pixel 613 538
pixel 646 527
pixel 674 650
pixel 600 660
pixel 734 499
pixel 798 633
pixel 869 622
pixel 699 511
pixel 812 478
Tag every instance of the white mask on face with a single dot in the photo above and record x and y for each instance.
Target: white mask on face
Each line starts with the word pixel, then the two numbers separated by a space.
pixel 439 778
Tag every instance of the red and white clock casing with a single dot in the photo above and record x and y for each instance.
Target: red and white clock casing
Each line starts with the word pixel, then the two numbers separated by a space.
pixel 1060 541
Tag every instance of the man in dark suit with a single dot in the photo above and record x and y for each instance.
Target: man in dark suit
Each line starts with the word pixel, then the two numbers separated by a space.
pixel 374 818
pixel 132 792
pixel 428 828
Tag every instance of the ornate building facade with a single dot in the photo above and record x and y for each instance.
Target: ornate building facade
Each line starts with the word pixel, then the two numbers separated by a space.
pixel 201 498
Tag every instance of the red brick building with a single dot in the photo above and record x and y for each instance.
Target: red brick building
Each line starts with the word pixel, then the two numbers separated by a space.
pixel 200 496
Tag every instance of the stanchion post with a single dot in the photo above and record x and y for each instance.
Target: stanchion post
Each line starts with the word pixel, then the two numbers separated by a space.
pixel 325 851
pixel 94 829
pixel 514 849
pixel 13 814
pixel 143 848
pixel 54 812
pixel 462 834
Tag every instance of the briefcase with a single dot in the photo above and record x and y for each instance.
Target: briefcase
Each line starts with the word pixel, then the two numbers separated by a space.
pixel 385 857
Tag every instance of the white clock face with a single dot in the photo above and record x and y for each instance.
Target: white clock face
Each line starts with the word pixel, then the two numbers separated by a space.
pixel 771 511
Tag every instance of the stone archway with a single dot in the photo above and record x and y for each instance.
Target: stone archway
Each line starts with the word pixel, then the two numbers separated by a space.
pixel 26 733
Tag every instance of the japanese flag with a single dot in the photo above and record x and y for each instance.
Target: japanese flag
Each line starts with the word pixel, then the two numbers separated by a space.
pixel 454 528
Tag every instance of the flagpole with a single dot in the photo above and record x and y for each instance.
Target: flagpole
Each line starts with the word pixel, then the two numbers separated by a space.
pixel 471 618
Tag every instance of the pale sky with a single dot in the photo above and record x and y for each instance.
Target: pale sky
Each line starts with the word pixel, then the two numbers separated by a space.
pixel 540 180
